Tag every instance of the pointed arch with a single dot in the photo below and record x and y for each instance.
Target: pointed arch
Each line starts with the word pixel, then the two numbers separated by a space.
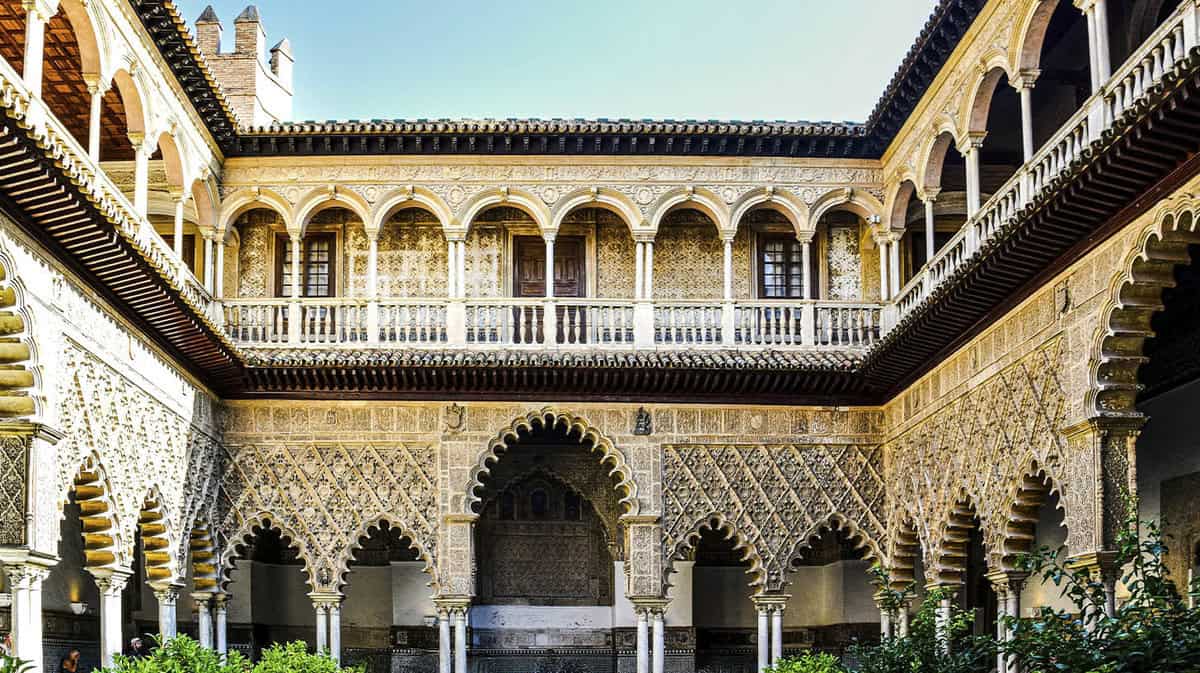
pixel 243 200
pixel 781 201
pixel 410 197
pixel 247 531
pixel 951 549
pixel 375 522
pixel 550 418
pixel 524 201
pixel 608 199
pixel 716 522
pixel 328 197
pixel 699 198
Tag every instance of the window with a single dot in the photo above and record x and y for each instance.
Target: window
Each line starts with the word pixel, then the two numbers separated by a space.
pixel 189 249
pixel 538 504
pixel 573 507
pixel 318 268
pixel 780 267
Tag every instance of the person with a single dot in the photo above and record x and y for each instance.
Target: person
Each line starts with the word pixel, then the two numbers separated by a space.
pixel 137 649
pixel 70 663
pixel 6 645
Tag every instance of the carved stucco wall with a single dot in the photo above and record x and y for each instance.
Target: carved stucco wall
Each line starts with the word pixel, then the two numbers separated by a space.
pixel 254 259
pixel 689 260
pixel 773 498
pixel 324 473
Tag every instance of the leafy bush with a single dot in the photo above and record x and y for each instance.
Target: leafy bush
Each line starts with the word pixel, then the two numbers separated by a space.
pixel 808 663
pixel 294 658
pixel 922 651
pixel 181 655
pixel 13 665
pixel 1153 631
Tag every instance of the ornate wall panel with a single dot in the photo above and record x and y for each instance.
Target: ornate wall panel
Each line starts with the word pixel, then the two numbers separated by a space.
pixel 689 262
pixel 614 261
pixel 774 497
pixel 485 262
pixel 845 264
pixel 254 253
pixel 14 497
pixel 978 446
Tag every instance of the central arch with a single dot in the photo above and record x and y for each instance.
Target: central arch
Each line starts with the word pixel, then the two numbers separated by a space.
pixel 550 418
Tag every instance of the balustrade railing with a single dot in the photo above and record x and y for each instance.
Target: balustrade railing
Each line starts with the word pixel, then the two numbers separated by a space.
pixel 506 322
pixel 415 322
pixel 772 323
pixel 847 325
pixel 1145 68
pixel 688 323
pixel 258 322
pixel 594 322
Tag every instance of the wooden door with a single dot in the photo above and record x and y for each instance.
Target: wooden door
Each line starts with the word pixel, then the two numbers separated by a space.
pixel 529 280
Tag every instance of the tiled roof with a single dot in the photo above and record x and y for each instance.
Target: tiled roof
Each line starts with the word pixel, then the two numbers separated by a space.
pixel 569 126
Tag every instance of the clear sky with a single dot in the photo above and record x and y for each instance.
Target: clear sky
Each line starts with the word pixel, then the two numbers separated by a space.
pixel 679 59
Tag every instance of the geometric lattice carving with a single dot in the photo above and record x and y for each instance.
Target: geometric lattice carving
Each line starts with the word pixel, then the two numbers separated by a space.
pixel 14 498
pixel 774 499
pixel 326 497
pixel 978 449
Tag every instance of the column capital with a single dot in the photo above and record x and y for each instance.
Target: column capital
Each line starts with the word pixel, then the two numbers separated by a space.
pixel 643 237
pixel 220 601
pixel 455 235
pixel 110 581
pixel 806 237
pixel 931 194
pixel 95 85
pixel 167 593
pixel 1026 79
pixel 44 10
pixel 650 606
pixel 1098 562
pixel 972 142
pixel 139 142
pixel 1006 581
pixel 1084 5
pixel 771 602
pixel 327 599
pixel 202 598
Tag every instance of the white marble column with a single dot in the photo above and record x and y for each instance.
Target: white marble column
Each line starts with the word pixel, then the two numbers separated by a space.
pixel 884 289
pixel 25 586
pixel 219 267
pixel 96 92
pixel 322 611
pixel 37 15
pixel 180 199
pixel 460 640
pixel 297 245
pixel 335 631
pixel 204 626
pixel 727 269
pixel 373 286
pixel 660 650
pixel 210 274
pixel 445 662
pixel 894 265
pixel 549 266
pixel 810 287
pixel 167 597
pixel 930 227
pixel 461 260
pixel 648 282
pixel 639 270
pixel 971 155
pixel 942 620
pixel 902 621
pixel 110 583
pixel 1024 86
pixel 451 269
pixel 221 611
pixel 1103 52
pixel 141 173
pixel 764 637
pixel 776 633
pixel 643 640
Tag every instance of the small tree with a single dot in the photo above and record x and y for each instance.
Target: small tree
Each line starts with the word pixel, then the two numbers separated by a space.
pixel 808 663
pixel 1154 631
pixel 295 658
pixel 14 665
pixel 180 655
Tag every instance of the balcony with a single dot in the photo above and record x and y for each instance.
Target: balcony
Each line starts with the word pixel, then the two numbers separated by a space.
pixel 509 323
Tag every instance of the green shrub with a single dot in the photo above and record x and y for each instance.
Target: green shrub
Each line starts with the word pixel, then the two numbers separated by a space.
pixel 13 665
pixel 808 663
pixel 294 658
pixel 181 655
pixel 1153 631
pixel 922 651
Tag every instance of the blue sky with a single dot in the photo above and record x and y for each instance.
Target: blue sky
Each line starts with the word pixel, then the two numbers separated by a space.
pixel 679 59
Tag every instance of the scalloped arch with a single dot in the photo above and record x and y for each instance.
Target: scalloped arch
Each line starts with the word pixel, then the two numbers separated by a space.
pixel 688 542
pixel 104 545
pixel 1134 296
pixel 1025 499
pixel 158 539
pixel 549 418
pixel 951 546
pixel 838 521
pixel 375 522
pixel 245 532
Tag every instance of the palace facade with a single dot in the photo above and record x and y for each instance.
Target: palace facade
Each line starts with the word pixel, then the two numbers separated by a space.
pixel 588 396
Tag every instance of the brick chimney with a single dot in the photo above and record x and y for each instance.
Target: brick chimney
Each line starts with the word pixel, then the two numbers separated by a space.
pixel 259 93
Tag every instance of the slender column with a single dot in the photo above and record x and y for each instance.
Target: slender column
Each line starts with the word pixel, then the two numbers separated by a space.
pixel 659 657
pixel 219 271
pixel 971 155
pixel 297 252
pixel 141 173
pixel 1103 55
pixel 1088 7
pixel 1001 632
pixel 460 640
pixel 643 641
pixel 96 91
pixel 885 620
pixel 445 663
pixel 930 247
pixel 37 15
pixel 25 585
pixel 727 270
pixel 894 265
pixel 549 267
pixel 776 633
pixel 648 284
pixel 764 637
pixel 203 601
pixel 221 610
pixel 180 199
pixel 451 269
pixel 322 610
pixel 209 262
pixel 1014 612
pixel 335 631
pixel 549 312
pixel 1024 87
pixel 111 583
pixel 942 621
pixel 884 291
pixel 810 288
pixel 373 286
pixel 461 259
pixel 167 597
pixel 902 621
pixel 639 270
